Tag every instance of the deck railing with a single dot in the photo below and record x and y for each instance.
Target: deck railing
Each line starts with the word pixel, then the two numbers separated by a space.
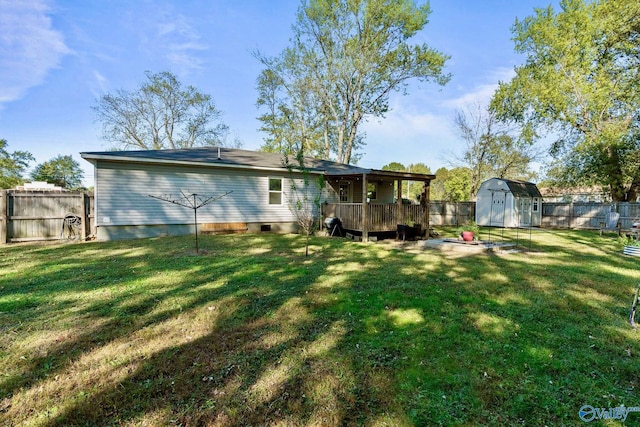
pixel 380 217
pixel 349 213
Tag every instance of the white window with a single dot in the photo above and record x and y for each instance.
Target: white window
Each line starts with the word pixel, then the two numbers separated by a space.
pixel 275 191
pixel 536 204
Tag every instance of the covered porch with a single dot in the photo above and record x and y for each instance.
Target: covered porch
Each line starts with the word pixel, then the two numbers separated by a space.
pixel 368 202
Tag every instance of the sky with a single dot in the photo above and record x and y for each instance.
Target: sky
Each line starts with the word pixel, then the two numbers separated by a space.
pixel 58 57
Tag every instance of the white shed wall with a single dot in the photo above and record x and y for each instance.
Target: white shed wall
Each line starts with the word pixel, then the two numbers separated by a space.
pixel 494 204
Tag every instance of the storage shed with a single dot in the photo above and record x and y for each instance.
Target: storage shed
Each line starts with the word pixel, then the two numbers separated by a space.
pixel 508 203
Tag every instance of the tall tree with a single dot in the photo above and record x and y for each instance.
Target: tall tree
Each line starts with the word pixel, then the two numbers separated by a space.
pixel 580 81
pixel 346 58
pixel 305 198
pixel 493 148
pixel 394 166
pixel 160 114
pixel 292 121
pixel 437 191
pixel 457 187
pixel 416 189
pixel 63 171
pixel 412 189
pixel 12 165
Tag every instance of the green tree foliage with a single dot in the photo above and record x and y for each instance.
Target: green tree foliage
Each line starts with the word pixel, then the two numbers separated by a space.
pixel 161 114
pixel 394 166
pixel 62 171
pixel 292 124
pixel 305 198
pixel 411 189
pixel 580 81
pixel 12 165
pixel 415 189
pixel 437 191
pixel 493 148
pixel 346 57
pixel 419 168
pixel 457 187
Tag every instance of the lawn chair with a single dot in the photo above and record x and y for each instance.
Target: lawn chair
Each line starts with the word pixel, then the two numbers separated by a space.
pixel 611 223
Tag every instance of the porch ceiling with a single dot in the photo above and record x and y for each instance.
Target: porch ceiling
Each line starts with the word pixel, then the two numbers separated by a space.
pixel 382 174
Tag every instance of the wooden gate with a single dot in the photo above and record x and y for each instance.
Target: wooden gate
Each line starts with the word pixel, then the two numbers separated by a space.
pixel 38 215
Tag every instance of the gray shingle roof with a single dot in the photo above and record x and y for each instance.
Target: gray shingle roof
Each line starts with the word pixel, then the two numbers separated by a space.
pixel 231 157
pixel 522 188
pixel 227 157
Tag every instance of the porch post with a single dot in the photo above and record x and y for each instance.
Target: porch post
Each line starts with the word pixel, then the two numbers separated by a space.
pixel 400 218
pixel 365 209
pixel 83 216
pixel 427 199
pixel 4 215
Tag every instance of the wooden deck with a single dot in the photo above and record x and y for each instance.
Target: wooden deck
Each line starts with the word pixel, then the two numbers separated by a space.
pixel 381 217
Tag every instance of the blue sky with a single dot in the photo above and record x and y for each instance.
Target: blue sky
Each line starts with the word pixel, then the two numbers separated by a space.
pixel 58 56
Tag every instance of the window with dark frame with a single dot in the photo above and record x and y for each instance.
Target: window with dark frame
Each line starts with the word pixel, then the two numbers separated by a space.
pixel 275 191
pixel 344 192
pixel 372 191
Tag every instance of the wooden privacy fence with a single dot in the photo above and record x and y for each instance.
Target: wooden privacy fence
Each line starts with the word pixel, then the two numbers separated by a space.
pixel 38 215
pixel 451 213
pixel 587 215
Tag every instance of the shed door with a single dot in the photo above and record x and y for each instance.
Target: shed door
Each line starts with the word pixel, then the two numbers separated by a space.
pixel 525 212
pixel 498 205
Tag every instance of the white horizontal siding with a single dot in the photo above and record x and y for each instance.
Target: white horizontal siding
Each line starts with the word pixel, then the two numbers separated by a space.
pixel 123 195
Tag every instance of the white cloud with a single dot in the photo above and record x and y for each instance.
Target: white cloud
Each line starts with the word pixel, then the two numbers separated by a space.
pixel 421 115
pixel 165 33
pixel 101 83
pixel 420 128
pixel 401 124
pixel 409 134
pixel 181 42
pixel 29 46
pixel 481 93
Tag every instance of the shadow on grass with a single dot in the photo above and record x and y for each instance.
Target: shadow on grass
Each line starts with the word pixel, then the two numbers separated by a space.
pixel 252 334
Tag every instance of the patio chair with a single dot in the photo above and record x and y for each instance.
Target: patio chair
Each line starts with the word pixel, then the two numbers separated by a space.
pixel 611 223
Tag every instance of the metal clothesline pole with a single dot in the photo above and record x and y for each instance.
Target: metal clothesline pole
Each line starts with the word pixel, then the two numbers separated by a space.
pixel 493 191
pixel 185 201
pixel 490 216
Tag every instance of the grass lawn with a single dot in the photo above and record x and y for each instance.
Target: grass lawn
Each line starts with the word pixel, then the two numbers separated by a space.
pixel 146 332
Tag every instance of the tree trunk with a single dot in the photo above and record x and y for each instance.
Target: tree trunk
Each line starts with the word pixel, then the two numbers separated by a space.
pixel 327 143
pixel 615 176
pixel 634 189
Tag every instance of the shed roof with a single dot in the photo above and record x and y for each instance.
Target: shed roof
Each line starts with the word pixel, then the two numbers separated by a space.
pixel 235 158
pixel 522 188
